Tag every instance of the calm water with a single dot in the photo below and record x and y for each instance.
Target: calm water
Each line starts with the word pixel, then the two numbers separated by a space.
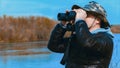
pixel 49 60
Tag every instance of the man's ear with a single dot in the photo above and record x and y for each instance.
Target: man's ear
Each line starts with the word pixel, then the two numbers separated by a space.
pixel 98 20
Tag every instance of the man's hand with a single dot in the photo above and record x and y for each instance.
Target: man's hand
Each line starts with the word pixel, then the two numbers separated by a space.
pixel 80 14
pixel 63 22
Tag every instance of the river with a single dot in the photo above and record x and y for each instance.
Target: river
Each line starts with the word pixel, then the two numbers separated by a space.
pixel 43 58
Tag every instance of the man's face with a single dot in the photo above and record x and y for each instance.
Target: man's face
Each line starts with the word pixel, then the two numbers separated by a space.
pixel 90 20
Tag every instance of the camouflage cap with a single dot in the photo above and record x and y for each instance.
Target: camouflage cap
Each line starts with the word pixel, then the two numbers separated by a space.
pixel 95 8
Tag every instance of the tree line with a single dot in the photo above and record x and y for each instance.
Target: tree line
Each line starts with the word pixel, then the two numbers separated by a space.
pixel 25 29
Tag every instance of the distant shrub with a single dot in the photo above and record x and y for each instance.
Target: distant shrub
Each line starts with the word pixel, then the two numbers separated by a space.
pixel 115 28
pixel 27 29
pixel 24 29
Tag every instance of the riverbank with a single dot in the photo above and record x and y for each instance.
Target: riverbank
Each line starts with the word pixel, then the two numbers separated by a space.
pixel 29 29
pixel 115 28
pixel 25 48
pixel 25 29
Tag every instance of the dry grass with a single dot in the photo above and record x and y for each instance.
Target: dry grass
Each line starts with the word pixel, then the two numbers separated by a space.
pixel 24 29
pixel 115 28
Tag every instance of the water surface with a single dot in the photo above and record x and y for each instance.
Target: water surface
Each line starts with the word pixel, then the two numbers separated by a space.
pixel 43 58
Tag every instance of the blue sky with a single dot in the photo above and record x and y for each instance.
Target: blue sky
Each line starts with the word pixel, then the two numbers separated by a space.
pixel 50 8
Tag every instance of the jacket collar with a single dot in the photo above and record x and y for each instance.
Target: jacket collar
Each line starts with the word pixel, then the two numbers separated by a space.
pixel 103 30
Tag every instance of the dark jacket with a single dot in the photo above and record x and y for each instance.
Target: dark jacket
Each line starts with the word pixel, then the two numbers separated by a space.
pixel 85 50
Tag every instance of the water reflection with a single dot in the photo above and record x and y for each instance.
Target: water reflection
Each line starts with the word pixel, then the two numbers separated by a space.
pixel 28 55
pixel 36 55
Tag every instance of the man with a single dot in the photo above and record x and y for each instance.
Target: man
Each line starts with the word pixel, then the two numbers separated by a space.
pixel 90 45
